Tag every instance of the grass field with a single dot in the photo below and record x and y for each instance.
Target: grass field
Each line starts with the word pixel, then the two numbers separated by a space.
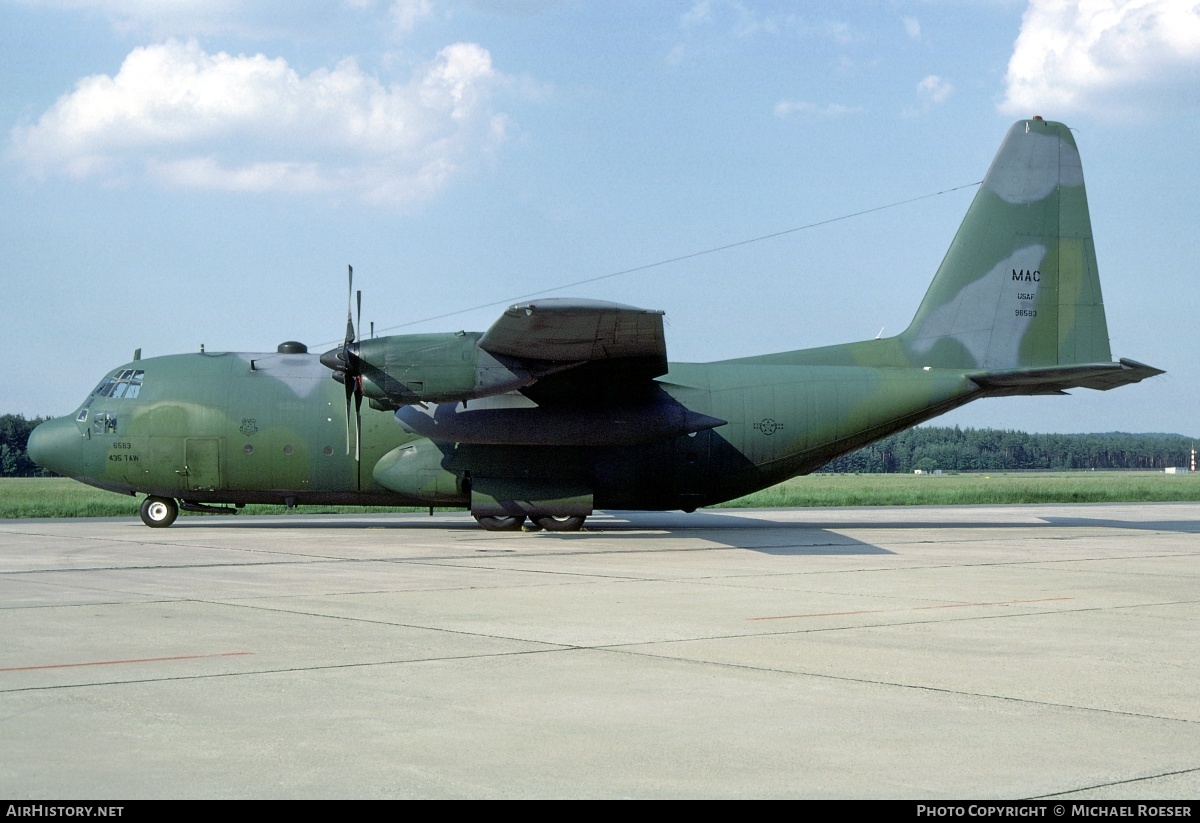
pixel 58 497
pixel 976 489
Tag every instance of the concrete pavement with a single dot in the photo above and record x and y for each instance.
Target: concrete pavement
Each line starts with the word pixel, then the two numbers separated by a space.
pixel 951 652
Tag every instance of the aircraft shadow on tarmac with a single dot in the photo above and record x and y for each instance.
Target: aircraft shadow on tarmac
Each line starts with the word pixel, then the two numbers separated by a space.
pixel 758 532
pixel 1181 526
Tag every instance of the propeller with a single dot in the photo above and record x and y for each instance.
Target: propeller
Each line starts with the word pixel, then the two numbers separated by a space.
pixel 347 366
pixel 358 387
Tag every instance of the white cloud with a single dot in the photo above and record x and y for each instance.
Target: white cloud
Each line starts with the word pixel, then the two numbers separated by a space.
pixel 712 24
pixel 912 27
pixel 162 19
pixel 405 14
pixel 208 173
pixel 732 16
pixel 931 91
pixel 787 108
pixel 190 119
pixel 1104 56
pixel 934 89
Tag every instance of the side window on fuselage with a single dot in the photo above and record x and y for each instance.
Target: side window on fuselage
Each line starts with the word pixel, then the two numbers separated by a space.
pixel 104 423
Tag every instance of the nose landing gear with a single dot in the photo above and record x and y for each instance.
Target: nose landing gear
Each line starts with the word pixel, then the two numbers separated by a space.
pixel 159 512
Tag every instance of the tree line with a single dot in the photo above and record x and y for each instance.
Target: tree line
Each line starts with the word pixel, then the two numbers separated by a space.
pixel 954 449
pixel 927 448
pixel 14 437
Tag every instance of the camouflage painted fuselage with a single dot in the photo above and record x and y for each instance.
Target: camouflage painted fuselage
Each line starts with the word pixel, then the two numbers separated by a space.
pixel 566 406
pixel 206 428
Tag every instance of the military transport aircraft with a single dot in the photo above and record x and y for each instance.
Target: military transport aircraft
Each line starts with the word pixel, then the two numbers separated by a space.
pixel 565 405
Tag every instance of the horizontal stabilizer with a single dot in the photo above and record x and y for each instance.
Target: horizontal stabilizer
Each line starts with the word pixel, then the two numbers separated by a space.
pixel 1056 379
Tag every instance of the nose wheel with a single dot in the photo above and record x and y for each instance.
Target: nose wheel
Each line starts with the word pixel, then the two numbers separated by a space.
pixel 159 512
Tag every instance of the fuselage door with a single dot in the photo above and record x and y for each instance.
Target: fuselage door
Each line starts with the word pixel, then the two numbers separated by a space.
pixel 202 463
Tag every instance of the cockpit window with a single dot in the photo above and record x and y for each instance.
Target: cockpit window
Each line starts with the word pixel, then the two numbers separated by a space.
pixel 126 383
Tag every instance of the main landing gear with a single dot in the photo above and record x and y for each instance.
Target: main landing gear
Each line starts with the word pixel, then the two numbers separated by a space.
pixel 549 522
pixel 159 512
pixel 566 523
pixel 502 524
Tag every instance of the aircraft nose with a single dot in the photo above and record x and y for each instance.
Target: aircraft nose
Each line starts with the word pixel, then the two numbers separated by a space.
pixel 54 445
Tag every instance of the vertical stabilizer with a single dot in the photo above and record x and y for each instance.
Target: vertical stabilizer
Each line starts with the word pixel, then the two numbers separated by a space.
pixel 1019 288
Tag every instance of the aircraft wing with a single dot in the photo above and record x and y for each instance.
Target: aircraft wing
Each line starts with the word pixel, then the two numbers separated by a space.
pixel 583 351
pixel 564 330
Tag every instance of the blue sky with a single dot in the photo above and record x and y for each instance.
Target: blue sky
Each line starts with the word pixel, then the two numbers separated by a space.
pixel 202 172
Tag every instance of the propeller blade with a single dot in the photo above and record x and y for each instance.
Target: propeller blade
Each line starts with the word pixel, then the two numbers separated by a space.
pixel 347 365
pixel 349 315
pixel 358 396
pixel 349 391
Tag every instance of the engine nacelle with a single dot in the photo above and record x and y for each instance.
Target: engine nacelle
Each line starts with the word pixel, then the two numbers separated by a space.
pixel 432 368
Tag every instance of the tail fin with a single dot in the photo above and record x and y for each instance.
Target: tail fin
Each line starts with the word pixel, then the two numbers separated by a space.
pixel 1016 302
pixel 1018 288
